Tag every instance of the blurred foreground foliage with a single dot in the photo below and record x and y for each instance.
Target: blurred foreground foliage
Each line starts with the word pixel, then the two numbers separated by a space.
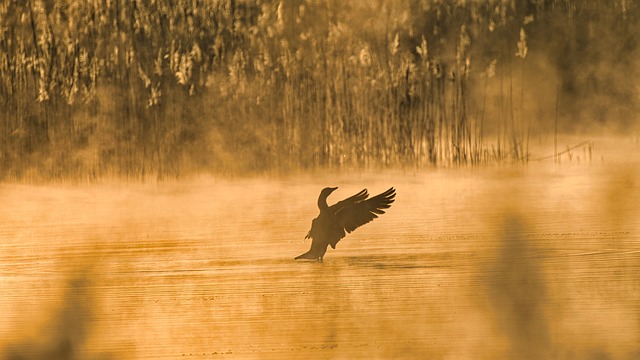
pixel 139 88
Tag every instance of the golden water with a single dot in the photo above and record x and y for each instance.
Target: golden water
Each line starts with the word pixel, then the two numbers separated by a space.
pixel 518 262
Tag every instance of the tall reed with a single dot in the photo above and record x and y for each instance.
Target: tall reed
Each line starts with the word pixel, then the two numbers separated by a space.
pixel 163 88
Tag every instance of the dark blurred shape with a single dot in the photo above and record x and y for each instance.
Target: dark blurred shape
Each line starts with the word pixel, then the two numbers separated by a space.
pixel 334 222
pixel 620 196
pixel 64 338
pixel 517 292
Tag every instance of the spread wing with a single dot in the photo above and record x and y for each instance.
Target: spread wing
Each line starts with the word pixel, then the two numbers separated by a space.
pixel 349 201
pixel 354 215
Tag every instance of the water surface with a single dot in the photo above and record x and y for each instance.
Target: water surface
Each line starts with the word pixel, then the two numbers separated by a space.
pixel 510 262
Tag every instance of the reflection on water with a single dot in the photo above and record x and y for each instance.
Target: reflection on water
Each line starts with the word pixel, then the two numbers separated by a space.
pixel 494 263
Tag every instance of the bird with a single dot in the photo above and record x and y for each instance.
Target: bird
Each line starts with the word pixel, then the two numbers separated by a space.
pixel 336 221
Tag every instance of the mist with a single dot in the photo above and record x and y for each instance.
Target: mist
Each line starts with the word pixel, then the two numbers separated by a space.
pixel 535 262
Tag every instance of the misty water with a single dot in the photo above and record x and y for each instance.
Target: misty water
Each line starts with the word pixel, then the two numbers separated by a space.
pixel 537 261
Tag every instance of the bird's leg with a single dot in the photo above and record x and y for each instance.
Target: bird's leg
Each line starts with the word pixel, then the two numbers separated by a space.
pixel 320 259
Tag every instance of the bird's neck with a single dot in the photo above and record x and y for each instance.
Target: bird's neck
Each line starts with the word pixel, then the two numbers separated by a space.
pixel 322 203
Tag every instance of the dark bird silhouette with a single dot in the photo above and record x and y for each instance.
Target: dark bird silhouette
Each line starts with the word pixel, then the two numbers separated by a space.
pixel 341 218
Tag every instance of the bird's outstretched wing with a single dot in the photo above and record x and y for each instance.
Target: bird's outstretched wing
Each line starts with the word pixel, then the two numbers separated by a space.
pixel 357 214
pixel 362 195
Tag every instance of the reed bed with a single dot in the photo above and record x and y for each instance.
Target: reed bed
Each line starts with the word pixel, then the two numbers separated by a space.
pixel 164 88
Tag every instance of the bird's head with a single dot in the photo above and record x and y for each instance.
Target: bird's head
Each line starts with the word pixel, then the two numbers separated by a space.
pixel 327 191
pixel 322 199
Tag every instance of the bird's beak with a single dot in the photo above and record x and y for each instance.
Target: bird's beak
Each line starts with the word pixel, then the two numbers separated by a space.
pixel 333 189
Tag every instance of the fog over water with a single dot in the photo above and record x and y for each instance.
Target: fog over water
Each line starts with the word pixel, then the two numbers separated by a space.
pixel 532 261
